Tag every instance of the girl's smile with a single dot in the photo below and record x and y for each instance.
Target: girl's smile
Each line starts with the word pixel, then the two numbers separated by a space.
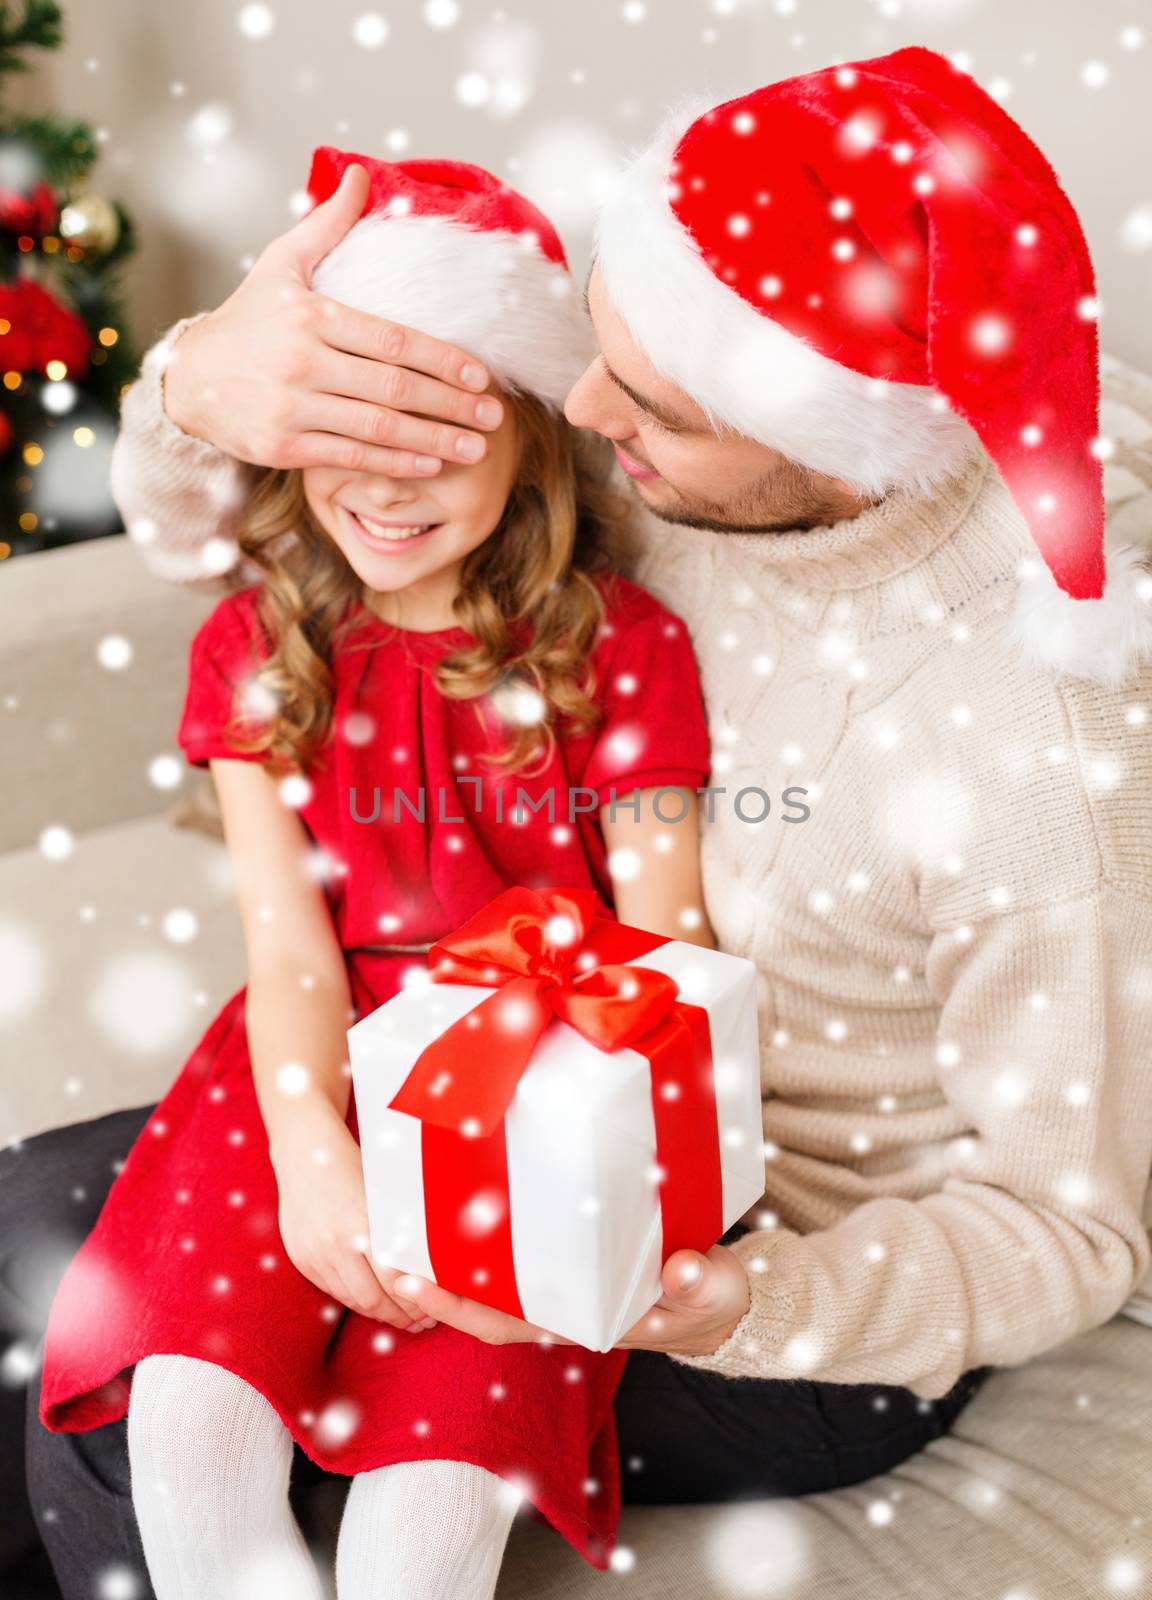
pixel 390 537
pixel 406 539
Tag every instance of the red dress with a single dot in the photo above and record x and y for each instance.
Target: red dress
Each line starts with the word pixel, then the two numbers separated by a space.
pixel 186 1255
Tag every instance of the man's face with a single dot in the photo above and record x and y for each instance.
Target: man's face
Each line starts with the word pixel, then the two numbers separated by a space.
pixel 682 470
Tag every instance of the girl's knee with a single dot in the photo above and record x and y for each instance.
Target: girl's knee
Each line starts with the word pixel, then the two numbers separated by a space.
pixel 193 1410
pixel 461 1500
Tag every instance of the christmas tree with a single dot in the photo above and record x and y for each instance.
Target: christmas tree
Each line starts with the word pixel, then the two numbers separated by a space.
pixel 63 354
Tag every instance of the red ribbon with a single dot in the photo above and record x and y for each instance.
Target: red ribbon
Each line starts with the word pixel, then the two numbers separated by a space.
pixel 552 953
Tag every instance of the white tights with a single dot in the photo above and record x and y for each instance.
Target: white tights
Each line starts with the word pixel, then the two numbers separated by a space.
pixel 210 1461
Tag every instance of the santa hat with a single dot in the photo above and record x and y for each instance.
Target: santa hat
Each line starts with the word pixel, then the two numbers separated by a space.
pixel 857 267
pixel 445 247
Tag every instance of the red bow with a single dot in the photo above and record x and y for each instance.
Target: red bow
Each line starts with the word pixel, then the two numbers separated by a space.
pixel 544 952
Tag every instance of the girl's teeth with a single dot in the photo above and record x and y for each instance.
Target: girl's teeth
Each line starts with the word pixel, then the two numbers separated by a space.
pixel 392 533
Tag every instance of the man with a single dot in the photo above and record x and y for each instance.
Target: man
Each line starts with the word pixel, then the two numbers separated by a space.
pixel 848 362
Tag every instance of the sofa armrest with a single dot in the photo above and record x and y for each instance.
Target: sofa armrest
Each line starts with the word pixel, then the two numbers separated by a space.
pixel 78 737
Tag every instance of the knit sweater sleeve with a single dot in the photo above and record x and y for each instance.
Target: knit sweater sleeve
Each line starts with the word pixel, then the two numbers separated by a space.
pixel 1036 1234
pixel 180 497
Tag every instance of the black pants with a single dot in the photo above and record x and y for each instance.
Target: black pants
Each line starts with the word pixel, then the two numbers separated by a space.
pixel 686 1435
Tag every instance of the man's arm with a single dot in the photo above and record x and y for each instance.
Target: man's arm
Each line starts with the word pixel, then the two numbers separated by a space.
pixel 280 376
pixel 1036 1234
pixel 181 497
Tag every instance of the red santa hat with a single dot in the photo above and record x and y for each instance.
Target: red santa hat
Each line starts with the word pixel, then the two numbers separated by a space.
pixel 445 247
pixel 860 265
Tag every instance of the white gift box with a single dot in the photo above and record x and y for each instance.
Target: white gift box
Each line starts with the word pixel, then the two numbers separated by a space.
pixel 580 1135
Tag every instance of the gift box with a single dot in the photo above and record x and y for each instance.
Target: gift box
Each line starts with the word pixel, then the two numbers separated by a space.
pixel 563 1103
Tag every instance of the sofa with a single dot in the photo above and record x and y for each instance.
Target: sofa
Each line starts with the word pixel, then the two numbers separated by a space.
pixel 119 941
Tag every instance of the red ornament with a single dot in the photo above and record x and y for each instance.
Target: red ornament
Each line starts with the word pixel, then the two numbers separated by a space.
pixel 40 330
pixel 6 431
pixel 33 213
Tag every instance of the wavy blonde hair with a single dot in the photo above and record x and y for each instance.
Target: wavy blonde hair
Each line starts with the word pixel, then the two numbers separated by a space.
pixel 562 528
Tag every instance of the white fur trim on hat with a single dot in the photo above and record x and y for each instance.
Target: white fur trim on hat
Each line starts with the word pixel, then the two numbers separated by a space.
pixel 1105 639
pixel 746 371
pixel 489 291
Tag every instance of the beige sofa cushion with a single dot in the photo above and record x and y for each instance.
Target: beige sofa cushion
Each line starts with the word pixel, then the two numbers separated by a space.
pixel 199 807
pixel 85 734
pixel 1043 1491
pixel 113 962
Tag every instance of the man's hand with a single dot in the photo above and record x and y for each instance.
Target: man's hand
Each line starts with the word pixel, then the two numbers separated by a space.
pixel 283 377
pixel 704 1298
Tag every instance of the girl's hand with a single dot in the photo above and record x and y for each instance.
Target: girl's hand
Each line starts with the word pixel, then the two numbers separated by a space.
pixel 281 376
pixel 324 1224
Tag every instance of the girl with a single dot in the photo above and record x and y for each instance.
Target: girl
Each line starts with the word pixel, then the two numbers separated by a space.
pixel 420 652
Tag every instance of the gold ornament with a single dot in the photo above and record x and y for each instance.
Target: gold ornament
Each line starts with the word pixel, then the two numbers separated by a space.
pixel 91 223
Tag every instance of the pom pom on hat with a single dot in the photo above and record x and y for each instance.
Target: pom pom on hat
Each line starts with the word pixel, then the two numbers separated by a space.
pixel 445 247
pixel 1101 639
pixel 862 267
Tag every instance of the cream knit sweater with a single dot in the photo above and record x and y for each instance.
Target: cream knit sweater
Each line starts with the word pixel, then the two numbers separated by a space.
pixel 955 948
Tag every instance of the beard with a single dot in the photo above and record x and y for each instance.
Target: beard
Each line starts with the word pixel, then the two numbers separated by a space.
pixel 789 498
